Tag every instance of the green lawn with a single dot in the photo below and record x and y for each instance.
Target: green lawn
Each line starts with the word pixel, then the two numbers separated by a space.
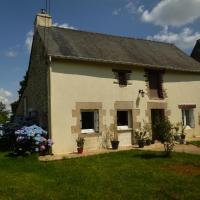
pixel 121 175
pixel 196 143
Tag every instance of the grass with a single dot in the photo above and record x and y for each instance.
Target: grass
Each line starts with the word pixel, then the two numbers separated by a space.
pixel 121 175
pixel 196 143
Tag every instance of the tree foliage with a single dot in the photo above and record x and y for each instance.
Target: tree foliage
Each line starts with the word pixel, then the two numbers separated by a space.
pixel 23 84
pixel 4 113
pixel 164 132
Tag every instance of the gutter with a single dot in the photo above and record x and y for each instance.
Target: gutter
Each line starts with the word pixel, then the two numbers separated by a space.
pixel 121 63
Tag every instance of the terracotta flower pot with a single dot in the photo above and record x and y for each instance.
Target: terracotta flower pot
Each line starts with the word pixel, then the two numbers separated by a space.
pixel 80 150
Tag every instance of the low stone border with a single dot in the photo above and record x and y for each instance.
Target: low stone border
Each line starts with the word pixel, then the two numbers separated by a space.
pixel 84 154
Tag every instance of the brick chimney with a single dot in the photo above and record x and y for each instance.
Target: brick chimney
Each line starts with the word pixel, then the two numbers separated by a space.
pixel 43 19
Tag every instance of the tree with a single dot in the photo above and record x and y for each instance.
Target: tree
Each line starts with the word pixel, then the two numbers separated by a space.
pixel 23 84
pixel 4 113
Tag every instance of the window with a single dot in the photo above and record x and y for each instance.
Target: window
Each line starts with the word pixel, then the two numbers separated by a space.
pixel 122 76
pixel 155 84
pixel 123 120
pixel 89 121
pixel 188 117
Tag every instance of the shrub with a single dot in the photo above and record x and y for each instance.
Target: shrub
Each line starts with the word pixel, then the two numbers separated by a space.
pixel 80 142
pixel 164 133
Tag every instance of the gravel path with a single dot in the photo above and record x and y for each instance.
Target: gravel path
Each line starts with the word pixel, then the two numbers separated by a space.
pixel 189 148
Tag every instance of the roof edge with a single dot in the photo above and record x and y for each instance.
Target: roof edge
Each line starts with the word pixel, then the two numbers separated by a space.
pixel 121 63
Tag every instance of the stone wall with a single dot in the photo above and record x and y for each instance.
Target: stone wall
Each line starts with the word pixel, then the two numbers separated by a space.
pixel 36 89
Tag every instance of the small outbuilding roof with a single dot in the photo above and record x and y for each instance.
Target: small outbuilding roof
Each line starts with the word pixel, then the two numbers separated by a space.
pixel 196 51
pixel 89 46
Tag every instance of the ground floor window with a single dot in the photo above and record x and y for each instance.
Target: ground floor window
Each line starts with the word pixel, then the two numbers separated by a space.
pixel 89 121
pixel 124 119
pixel 188 117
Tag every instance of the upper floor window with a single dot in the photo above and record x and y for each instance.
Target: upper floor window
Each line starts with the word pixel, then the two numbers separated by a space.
pixel 122 76
pixel 155 84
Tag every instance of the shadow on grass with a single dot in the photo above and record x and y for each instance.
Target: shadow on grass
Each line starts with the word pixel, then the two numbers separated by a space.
pixel 15 155
pixel 151 155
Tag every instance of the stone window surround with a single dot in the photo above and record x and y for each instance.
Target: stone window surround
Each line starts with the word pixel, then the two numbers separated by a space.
pixel 157 105
pixel 118 105
pixel 127 72
pixel 147 85
pixel 77 114
pixel 126 105
pixel 187 106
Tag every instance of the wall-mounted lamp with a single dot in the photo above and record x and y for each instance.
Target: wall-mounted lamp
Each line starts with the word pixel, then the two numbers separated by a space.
pixel 141 92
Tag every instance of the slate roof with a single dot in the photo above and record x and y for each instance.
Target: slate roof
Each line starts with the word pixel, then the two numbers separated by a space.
pixel 89 46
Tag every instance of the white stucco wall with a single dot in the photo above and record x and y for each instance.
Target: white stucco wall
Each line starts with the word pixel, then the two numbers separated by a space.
pixel 183 88
pixel 78 82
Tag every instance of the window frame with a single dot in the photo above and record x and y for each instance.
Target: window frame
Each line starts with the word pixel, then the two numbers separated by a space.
pixel 188 117
pixel 155 84
pixel 122 76
pixel 129 116
pixel 95 121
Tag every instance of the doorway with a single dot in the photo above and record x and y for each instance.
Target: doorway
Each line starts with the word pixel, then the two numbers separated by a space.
pixel 157 115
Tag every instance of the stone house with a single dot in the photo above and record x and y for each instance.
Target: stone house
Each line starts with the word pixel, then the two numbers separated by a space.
pixel 82 84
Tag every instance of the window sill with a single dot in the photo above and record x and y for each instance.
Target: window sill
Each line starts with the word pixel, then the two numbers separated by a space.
pixel 124 130
pixel 85 135
pixel 128 83
pixel 156 98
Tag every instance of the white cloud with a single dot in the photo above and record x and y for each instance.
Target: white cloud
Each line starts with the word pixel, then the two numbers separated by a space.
pixel 185 39
pixel 173 13
pixel 140 9
pixel 117 11
pixel 5 97
pixel 29 40
pixel 131 7
pixel 11 53
pixel 65 25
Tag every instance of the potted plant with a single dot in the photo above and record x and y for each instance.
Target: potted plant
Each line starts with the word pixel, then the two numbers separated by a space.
pixel 80 143
pixel 148 141
pixel 114 138
pixel 177 135
pixel 140 137
pixel 147 133
pixel 183 134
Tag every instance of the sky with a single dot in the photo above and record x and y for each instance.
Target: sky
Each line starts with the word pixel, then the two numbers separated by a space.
pixel 172 21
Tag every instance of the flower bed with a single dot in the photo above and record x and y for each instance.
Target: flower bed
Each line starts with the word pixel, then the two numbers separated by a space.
pixel 32 139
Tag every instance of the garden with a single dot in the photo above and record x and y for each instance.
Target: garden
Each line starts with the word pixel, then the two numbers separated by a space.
pixel 121 175
pixel 129 174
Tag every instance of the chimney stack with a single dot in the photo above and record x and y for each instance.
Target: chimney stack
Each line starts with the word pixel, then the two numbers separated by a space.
pixel 43 19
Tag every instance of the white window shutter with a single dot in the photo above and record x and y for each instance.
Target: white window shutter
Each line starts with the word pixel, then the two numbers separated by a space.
pixel 129 119
pixel 96 121
pixel 80 120
pixel 183 117
pixel 192 122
